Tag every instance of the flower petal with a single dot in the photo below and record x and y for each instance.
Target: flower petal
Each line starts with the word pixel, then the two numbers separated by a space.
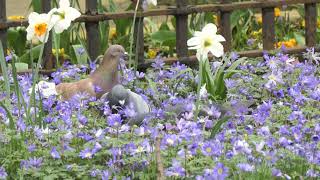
pixel 194 41
pixel 210 28
pixel 72 14
pixel 219 38
pixel 64 3
pixel 217 49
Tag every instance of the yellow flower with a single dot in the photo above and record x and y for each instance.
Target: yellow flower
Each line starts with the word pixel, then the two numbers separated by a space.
pixel 16 18
pixel 215 19
pixel 152 53
pixel 60 52
pixel 259 20
pixel 318 23
pixel 288 44
pixel 303 23
pixel 40 29
pixel 277 12
pixel 112 33
pixel 257 33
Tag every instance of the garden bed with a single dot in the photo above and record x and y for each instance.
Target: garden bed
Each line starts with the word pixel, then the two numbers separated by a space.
pixel 270 127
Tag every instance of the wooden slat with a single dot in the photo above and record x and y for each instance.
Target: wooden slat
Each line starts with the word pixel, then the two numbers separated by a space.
pixel 172 11
pixel 92 29
pixel 268 30
pixel 47 53
pixel 139 37
pixel 3 19
pixel 311 23
pixel 181 30
pixel 225 27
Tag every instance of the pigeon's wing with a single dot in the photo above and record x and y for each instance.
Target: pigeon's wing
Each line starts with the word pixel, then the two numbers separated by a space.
pixel 140 105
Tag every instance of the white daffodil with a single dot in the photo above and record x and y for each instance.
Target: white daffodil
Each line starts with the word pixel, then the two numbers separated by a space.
pixel 63 16
pixel 39 26
pixel 154 2
pixel 207 41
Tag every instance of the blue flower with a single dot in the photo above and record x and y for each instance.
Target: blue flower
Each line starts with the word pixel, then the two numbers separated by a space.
pixel 245 167
pixel 114 120
pixel 3 174
pixel 220 171
pixel 54 153
pixel 86 154
pixel 105 175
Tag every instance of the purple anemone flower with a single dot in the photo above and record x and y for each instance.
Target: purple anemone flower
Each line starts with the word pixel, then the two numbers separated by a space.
pixel 54 153
pixel 114 120
pixel 86 154
pixel 220 171
pixel 3 174
pixel 245 167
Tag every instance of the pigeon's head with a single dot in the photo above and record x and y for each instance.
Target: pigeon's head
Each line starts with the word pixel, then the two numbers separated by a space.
pixel 115 52
pixel 119 93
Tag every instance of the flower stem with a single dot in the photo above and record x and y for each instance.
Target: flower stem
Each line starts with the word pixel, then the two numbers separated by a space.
pixel 132 32
pixel 198 89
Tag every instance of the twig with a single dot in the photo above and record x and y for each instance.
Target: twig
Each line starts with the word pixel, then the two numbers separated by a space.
pixel 160 171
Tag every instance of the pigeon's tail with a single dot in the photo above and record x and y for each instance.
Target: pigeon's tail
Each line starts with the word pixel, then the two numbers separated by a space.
pixel 139 119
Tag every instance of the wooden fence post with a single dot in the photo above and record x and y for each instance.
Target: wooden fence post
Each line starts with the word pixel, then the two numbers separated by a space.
pixel 92 29
pixel 225 25
pixel 268 30
pixel 311 24
pixel 47 53
pixel 181 30
pixel 3 19
pixel 139 38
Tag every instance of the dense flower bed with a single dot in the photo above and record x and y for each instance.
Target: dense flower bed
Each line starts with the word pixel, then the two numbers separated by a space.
pixel 268 127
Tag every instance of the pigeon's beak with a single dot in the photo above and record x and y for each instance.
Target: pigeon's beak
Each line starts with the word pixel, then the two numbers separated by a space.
pixel 125 56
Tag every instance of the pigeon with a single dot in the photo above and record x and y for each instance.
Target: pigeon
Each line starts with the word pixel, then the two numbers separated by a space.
pixel 120 96
pixel 101 81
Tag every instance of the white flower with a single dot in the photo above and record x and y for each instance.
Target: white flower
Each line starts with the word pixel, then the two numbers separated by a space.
pixel 63 16
pixel 203 91
pixel 154 2
pixel 39 26
pixel 207 41
pixel 46 89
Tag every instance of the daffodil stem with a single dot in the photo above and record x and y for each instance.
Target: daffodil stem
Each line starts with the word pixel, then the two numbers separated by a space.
pixel 198 89
pixel 57 48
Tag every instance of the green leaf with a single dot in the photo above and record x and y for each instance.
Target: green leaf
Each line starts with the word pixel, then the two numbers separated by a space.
pixel 81 58
pixel 35 53
pixel 17 39
pixel 163 36
pixel 11 121
pixel 21 66
pixel 221 89
pixel 164 27
pixel 4 70
pixel 300 38
pixel 234 66
pixel 217 127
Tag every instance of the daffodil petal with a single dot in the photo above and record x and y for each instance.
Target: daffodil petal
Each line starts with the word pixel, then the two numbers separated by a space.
pixel 220 38
pixel 217 50
pixel 64 3
pixel 194 41
pixel 210 28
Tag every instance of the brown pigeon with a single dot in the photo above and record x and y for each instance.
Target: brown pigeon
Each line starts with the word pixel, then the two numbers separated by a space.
pixel 101 81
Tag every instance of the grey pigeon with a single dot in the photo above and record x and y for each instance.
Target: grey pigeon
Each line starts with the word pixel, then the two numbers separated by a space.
pixel 120 96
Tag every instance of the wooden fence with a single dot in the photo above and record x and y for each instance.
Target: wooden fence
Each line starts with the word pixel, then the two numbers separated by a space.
pixel 181 12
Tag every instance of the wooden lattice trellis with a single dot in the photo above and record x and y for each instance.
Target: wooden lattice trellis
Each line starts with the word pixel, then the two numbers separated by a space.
pixel 181 12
